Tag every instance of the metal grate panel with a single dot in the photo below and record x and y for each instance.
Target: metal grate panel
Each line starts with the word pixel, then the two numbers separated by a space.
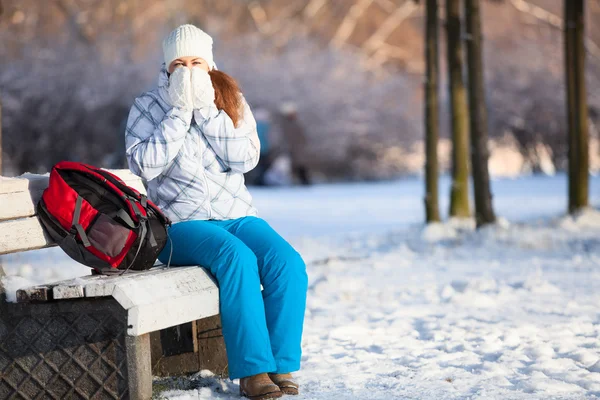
pixel 72 350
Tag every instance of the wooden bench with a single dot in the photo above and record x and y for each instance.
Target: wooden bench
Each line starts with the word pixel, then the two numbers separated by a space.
pixel 99 337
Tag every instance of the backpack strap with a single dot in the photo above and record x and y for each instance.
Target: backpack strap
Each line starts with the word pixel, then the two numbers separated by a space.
pixel 144 203
pixel 123 216
pixel 75 224
pixel 144 222
pixel 151 237
pixel 142 236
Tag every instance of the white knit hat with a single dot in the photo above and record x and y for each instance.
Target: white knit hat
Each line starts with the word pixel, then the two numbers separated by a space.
pixel 188 41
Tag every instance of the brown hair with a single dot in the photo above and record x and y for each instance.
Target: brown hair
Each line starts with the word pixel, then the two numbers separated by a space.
pixel 227 95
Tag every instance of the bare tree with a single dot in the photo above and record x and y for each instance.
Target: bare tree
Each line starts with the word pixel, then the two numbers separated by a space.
pixel 432 212
pixel 1 269
pixel 1 12
pixel 577 107
pixel 0 133
pixel 484 213
pixel 459 192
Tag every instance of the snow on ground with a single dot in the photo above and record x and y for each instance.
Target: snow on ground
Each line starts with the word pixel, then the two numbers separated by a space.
pixel 399 311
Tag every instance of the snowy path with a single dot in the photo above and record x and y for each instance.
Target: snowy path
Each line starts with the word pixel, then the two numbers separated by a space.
pixel 396 311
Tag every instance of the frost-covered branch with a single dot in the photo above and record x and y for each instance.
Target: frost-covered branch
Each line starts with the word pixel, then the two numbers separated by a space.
pixel 552 20
pixel 349 22
pixel 389 25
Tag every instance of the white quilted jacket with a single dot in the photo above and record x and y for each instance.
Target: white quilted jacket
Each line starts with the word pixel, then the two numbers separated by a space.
pixel 193 170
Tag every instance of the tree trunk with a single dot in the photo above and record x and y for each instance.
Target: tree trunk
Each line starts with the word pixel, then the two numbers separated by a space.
pixel 0 131
pixel 577 108
pixel 484 213
pixel 459 193
pixel 1 12
pixel 432 212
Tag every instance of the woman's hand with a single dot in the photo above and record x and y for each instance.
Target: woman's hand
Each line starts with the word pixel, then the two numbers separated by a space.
pixel 180 89
pixel 203 92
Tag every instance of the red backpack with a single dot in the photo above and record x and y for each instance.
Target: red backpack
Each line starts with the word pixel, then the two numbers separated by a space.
pixel 99 221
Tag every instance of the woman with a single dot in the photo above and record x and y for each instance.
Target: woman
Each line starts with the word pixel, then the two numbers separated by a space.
pixel 192 139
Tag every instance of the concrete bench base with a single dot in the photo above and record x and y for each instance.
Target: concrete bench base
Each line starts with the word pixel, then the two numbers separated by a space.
pixel 72 350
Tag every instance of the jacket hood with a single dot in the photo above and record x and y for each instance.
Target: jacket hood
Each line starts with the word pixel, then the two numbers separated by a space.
pixel 163 78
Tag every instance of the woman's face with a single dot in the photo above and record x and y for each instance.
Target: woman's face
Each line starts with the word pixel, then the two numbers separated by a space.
pixel 189 62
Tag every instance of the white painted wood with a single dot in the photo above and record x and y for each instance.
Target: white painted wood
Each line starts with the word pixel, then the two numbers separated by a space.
pixel 98 289
pixel 18 205
pixel 155 299
pixel 34 293
pixel 22 234
pixel 19 196
pixel 72 288
pixel 105 284
pixel 172 311
pixel 157 287
pixel 23 183
pixel 97 285
pixel 67 292
pixel 167 298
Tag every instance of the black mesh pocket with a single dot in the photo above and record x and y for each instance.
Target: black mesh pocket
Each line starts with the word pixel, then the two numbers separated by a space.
pixel 108 236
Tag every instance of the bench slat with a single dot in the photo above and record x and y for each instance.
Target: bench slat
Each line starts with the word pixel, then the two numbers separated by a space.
pixel 23 183
pixel 67 292
pixel 37 293
pixel 19 196
pixel 162 284
pixel 74 288
pixel 97 285
pixel 22 234
pixel 106 285
pixel 19 204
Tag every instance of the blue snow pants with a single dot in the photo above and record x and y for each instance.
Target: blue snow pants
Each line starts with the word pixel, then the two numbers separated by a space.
pixel 262 331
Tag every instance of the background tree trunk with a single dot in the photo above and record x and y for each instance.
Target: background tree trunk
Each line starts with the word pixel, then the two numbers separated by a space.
pixel 459 192
pixel 2 294
pixel 0 129
pixel 431 112
pixel 484 213
pixel 1 11
pixel 577 107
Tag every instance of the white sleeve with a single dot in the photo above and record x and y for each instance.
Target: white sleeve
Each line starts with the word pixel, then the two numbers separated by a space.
pixel 238 147
pixel 150 146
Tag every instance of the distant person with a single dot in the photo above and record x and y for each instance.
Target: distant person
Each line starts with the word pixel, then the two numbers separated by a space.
pixel 295 137
pixel 263 127
pixel 192 139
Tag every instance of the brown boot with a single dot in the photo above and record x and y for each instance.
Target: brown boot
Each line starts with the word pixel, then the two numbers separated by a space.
pixel 285 382
pixel 259 387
